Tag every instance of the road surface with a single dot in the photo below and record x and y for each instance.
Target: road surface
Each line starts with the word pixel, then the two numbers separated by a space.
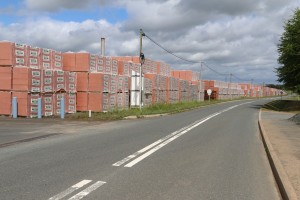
pixel 209 153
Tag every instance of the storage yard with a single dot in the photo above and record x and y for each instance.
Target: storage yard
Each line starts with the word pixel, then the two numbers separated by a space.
pixel 96 83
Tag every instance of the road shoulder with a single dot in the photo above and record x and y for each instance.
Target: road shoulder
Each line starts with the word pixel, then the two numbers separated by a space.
pixel 281 139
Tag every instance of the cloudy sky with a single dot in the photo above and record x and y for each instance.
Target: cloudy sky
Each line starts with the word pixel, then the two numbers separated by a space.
pixel 230 36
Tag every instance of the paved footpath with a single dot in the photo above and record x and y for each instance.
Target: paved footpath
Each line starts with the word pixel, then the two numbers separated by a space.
pixel 282 140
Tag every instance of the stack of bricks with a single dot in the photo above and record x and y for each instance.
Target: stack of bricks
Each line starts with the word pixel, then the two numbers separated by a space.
pixel 100 85
pixel 29 73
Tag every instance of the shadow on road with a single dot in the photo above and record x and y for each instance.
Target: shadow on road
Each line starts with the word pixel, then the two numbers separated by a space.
pixel 256 106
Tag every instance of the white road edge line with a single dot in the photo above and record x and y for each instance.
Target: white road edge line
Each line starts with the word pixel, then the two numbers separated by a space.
pixel 70 190
pixel 87 191
pixel 167 139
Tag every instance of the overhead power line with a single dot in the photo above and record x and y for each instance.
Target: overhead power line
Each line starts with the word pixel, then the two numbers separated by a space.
pixel 170 52
pixel 186 60
pixel 245 80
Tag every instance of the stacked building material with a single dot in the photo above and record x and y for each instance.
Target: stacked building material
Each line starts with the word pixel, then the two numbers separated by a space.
pixel 32 73
pixel 184 92
pixel 149 66
pixel 159 87
pixel 99 85
pixel 187 75
pixel 173 90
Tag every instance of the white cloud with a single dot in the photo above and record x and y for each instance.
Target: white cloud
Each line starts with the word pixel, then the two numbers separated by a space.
pixel 232 36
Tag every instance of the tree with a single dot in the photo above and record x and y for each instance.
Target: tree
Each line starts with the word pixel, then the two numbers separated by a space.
pixel 289 54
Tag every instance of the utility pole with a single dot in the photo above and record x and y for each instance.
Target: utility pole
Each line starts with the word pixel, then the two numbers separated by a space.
pixel 142 59
pixel 200 77
pixel 263 90
pixel 251 88
pixel 230 86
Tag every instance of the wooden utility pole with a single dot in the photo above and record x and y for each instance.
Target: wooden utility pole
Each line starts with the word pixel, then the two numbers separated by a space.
pixel 141 62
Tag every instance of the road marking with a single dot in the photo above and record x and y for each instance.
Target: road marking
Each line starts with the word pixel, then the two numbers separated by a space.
pixel 145 155
pixel 70 190
pixel 169 138
pixel 87 191
pixel 121 162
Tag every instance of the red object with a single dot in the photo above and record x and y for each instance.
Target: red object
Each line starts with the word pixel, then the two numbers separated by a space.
pixel 47 104
pixel 82 62
pixel 56 60
pixel 98 101
pixel 46 58
pixel 13 54
pixel 69 61
pixel 59 80
pixel 26 79
pixel 27 103
pixel 5 103
pixel 82 81
pixel 82 101
pixel 6 78
pixel 70 102
pixel 99 82
pixel 47 80
pixel 71 81
pixel 33 58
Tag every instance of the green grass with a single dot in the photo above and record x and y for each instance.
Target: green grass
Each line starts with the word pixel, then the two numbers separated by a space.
pixel 283 105
pixel 149 110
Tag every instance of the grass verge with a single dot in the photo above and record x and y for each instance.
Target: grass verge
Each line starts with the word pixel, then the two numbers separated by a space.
pixel 149 110
pixel 283 105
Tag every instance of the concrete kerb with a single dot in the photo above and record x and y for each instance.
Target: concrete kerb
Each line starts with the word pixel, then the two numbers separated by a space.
pixel 285 187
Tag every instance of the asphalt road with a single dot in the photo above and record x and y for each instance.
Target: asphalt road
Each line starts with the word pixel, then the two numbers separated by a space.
pixel 209 153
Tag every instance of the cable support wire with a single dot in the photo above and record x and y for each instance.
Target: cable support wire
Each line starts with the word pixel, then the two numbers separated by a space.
pixel 241 79
pixel 214 70
pixel 186 60
pixel 170 52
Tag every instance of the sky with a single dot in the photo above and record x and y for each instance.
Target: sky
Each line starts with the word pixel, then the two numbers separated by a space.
pixel 237 37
